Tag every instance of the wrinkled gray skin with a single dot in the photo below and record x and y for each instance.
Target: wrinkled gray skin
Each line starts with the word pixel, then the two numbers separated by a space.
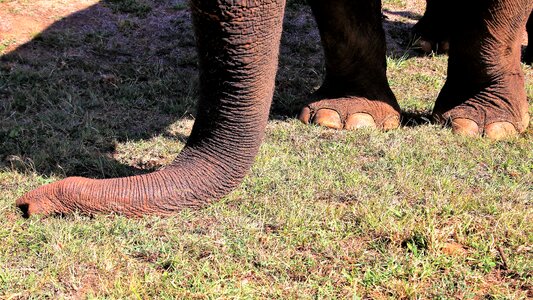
pixel 433 30
pixel 238 44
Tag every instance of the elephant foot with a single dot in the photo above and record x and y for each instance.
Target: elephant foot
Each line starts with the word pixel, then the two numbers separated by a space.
pixel 430 39
pixel 430 46
pixel 351 113
pixel 432 32
pixel 485 115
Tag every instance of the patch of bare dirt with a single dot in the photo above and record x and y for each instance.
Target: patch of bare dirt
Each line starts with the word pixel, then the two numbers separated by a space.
pixel 498 282
pixel 454 249
pixel 21 21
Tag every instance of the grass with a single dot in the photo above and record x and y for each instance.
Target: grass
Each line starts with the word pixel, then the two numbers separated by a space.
pixel 134 7
pixel 4 44
pixel 414 213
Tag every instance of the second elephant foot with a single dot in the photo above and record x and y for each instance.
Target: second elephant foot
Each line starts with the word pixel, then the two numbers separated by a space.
pixel 465 121
pixel 351 113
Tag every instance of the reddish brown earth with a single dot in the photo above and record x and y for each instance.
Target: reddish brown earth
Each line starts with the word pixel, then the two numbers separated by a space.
pixel 21 21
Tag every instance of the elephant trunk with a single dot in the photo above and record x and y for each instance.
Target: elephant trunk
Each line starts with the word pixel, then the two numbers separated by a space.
pixel 238 45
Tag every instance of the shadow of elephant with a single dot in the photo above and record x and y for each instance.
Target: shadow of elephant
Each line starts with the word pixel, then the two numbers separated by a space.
pixel 109 74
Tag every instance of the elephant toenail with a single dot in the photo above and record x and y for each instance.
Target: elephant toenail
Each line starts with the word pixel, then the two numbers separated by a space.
pixel 500 130
pixel 444 47
pixel 391 122
pixel 359 120
pixel 305 115
pixel 328 118
pixel 425 46
pixel 465 127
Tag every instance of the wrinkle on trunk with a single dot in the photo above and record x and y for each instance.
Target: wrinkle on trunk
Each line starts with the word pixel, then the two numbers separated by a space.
pixel 238 45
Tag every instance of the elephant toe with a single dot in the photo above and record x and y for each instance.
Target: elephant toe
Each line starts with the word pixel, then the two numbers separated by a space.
pixel 359 120
pixel 466 127
pixel 305 115
pixel 500 130
pixel 328 118
pixel 439 47
pixel 425 46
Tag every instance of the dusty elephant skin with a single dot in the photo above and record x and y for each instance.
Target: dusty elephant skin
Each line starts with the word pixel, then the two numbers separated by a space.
pixel 355 92
pixel 238 45
pixel 484 92
pixel 433 30
pixel 486 98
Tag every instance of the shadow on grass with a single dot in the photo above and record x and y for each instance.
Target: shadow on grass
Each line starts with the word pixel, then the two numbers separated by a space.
pixel 406 14
pixel 110 74
pixel 415 118
pixel 98 77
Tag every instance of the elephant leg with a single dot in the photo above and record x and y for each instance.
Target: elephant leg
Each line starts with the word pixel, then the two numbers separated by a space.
pixel 355 92
pixel 528 55
pixel 238 45
pixel 432 31
pixel 484 92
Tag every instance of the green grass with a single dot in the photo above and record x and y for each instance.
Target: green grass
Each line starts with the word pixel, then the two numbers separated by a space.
pixel 4 44
pixel 414 213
